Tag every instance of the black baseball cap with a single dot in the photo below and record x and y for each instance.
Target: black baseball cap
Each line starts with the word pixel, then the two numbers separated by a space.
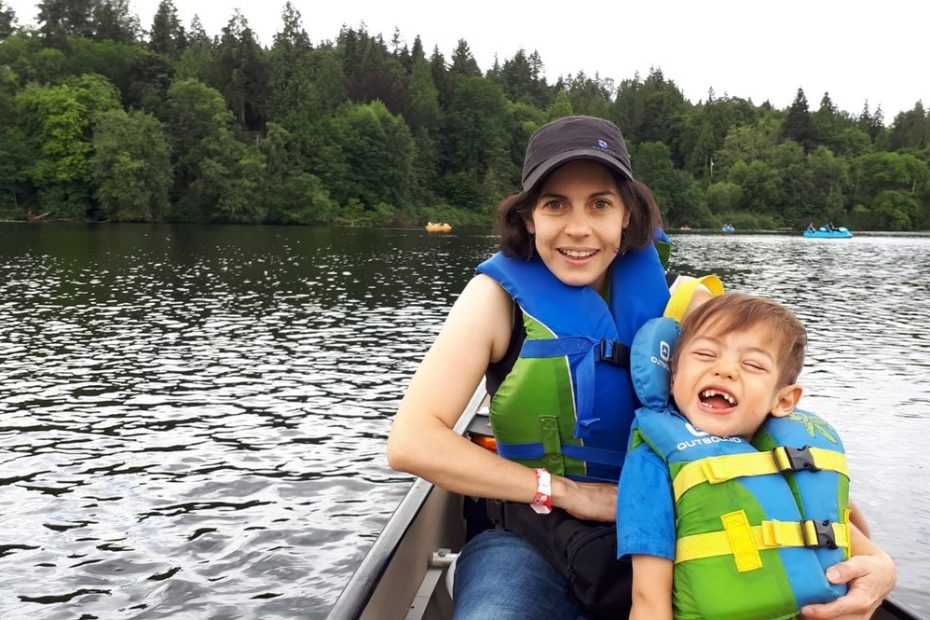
pixel 571 138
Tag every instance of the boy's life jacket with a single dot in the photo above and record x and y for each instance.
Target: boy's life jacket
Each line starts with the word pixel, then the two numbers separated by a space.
pixel 757 523
pixel 568 402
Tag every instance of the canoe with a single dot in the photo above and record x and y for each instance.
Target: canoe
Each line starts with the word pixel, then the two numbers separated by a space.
pixel 403 575
pixel 822 233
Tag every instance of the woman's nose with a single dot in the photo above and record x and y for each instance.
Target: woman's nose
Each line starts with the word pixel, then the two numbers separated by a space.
pixel 578 223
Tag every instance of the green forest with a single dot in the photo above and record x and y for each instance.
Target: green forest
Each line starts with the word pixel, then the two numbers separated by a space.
pixel 103 118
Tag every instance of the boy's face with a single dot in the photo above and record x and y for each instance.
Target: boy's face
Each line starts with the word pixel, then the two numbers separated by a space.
pixel 727 383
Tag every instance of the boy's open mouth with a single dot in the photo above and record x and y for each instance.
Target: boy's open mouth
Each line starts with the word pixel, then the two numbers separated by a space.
pixel 717 399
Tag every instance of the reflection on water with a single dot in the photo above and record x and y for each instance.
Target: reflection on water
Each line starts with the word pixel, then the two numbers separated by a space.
pixel 192 420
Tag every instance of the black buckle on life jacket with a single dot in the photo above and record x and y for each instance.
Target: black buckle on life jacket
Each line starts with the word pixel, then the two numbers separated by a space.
pixel 794 459
pixel 818 533
pixel 615 353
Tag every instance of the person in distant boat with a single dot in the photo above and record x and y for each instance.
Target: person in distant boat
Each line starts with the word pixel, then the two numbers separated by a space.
pixel 810 227
pixel 547 322
pixel 732 379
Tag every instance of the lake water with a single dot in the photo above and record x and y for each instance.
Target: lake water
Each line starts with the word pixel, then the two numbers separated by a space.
pixel 192 419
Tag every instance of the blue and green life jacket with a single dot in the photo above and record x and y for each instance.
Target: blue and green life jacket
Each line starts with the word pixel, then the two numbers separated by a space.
pixel 757 523
pixel 568 402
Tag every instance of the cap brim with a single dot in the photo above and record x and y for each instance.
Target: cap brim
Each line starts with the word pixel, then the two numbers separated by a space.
pixel 553 162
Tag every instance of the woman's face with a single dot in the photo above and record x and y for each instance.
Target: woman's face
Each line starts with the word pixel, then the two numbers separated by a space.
pixel 578 221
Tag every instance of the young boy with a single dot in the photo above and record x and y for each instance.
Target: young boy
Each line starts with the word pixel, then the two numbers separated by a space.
pixel 711 520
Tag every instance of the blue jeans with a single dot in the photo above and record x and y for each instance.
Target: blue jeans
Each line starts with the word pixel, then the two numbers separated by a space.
pixel 499 575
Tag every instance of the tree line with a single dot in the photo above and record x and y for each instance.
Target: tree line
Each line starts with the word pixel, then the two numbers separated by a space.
pixel 101 119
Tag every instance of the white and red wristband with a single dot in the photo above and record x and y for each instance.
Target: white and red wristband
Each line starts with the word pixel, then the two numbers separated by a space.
pixel 542 502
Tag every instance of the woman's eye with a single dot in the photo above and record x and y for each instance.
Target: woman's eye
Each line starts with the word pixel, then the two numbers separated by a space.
pixel 553 204
pixel 601 204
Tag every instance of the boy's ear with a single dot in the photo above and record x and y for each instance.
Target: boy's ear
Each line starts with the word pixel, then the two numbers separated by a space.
pixel 786 400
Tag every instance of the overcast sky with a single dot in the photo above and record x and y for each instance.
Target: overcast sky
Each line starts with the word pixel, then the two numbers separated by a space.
pixel 856 51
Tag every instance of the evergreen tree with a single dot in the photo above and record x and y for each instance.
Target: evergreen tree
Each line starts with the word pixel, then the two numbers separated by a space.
pixel 423 107
pixel 440 73
pixel 113 21
pixel 798 125
pixel 167 35
pixel 371 71
pixel 7 21
pixel 871 124
pixel 196 33
pixel 239 72
pixel 911 129
pixel 463 63
pixel 516 79
pixel 59 19
pixel 292 96
pixel 590 96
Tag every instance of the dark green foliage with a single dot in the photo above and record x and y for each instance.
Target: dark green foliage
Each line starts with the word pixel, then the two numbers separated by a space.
pixel 95 123
pixel 146 83
pixel 378 152
pixel 7 21
pixel 58 121
pixel 132 167
pixel 292 195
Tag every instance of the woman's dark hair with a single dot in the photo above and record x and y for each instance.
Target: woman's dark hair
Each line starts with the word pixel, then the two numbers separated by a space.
pixel 516 209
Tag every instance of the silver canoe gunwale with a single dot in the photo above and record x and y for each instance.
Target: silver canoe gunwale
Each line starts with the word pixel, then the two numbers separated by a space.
pixel 369 590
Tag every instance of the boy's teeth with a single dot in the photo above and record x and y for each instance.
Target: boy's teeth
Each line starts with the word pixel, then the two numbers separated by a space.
pixel 725 396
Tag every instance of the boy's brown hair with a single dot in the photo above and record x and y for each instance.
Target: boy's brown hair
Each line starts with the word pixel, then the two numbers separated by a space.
pixel 738 312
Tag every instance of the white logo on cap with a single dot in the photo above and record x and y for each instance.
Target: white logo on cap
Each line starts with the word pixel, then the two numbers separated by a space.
pixel 602 144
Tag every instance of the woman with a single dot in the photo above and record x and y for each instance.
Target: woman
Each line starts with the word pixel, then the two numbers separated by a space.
pixel 578 263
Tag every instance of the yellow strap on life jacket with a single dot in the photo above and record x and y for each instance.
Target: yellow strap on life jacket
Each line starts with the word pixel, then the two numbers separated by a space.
pixel 717 469
pixel 683 291
pixel 744 541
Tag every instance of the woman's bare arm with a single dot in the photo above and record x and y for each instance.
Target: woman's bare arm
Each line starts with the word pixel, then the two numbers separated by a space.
pixel 422 442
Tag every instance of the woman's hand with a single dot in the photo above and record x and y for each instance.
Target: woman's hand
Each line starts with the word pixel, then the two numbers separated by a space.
pixel 592 501
pixel 871 577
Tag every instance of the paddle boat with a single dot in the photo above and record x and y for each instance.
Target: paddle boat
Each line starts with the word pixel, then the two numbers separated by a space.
pixel 828 233
pixel 438 227
pixel 405 573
